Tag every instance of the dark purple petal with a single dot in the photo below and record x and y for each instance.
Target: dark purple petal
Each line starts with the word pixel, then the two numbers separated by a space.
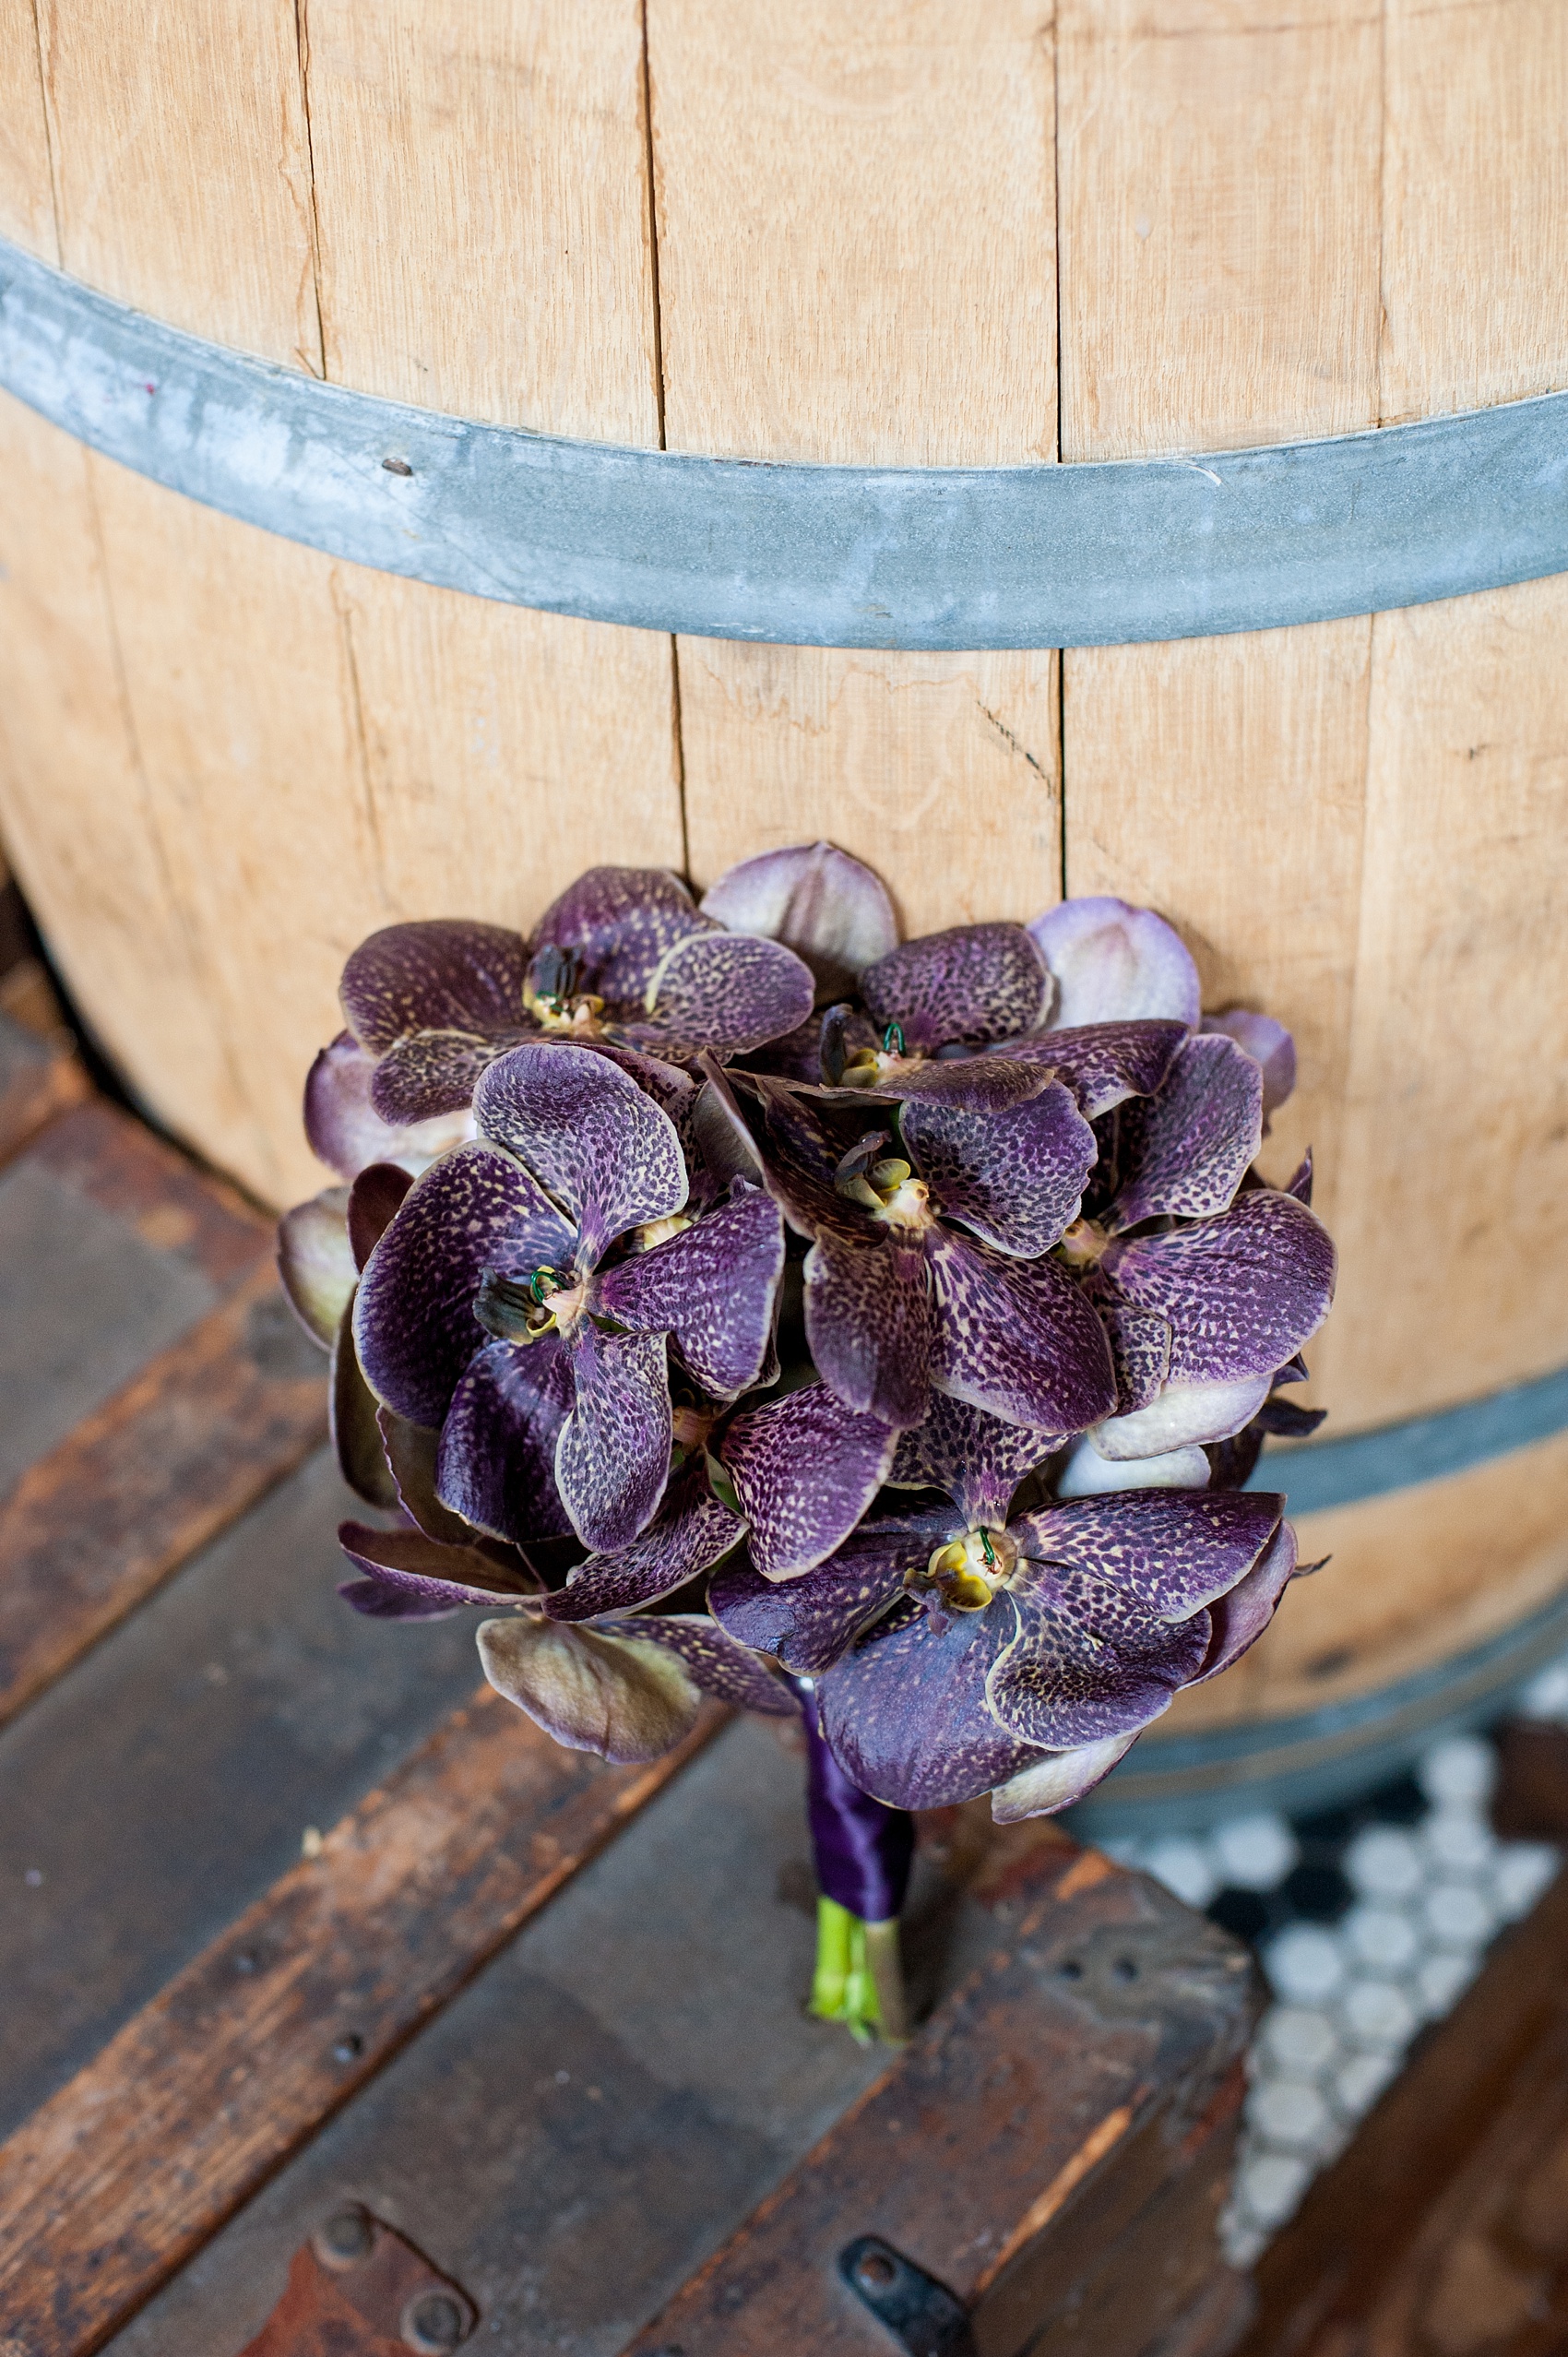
pixel 1103 1063
pixel 974 982
pixel 621 921
pixel 430 1074
pixel 829 909
pixel 977 1459
pixel 446 974
pixel 356 1435
pixel 589 1133
pixel 674 1092
pixel 344 1130
pixel 622 1697
pixel 412 1577
pixel 906 1714
pixel 723 1669
pixel 414 1322
pixel 412 1453
pixel 1242 1614
pixel 1111 962
pixel 805 1468
pixel 1016 1178
pixel 811 1623
pixel 869 1324
pixel 1162 1553
pixel 1267 1043
pixel 799 1162
pixel 982 1082
pixel 1140 1352
pixel 1016 1337
pixel 1242 1293
pixel 719 1134
pixel 1183 1415
pixel 495 1465
pixel 373 1199
pixel 691 1532
pixel 315 1262
pixel 612 1458
pixel 1087 1664
pixel 1058 1779
pixel 1088 1474
pixel 726 992
pixel 1185 1151
pixel 712 1289
pixel 1299 1184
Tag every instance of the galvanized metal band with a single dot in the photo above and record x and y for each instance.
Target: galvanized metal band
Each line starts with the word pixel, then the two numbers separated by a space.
pixel 957 557
pixel 1421 1448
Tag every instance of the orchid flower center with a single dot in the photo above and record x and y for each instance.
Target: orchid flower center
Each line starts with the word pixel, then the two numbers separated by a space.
pixel 654 1232
pixel 966 1573
pixel 865 1067
pixel 889 1190
pixel 1083 1244
pixel 523 1309
pixel 553 996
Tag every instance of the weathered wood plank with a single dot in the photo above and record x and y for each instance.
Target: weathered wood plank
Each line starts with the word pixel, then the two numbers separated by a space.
pixel 39 1079
pixel 109 2186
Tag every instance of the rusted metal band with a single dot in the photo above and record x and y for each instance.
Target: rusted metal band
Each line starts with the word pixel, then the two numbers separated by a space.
pixel 936 558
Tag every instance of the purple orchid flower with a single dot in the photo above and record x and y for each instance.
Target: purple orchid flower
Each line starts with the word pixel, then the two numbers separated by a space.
pixel 525 1295
pixel 957 1651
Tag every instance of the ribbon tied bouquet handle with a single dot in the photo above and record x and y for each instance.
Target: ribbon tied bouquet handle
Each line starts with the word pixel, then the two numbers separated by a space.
pixel 727 1297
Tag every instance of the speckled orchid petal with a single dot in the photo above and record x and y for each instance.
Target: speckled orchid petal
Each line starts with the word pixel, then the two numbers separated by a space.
pixel 612 1458
pixel 869 1324
pixel 1089 1663
pixel 719 1134
pixel 1241 1293
pixel 692 1531
pixel 805 1468
pixel 713 1290
pixel 906 1716
pixel 316 1261
pixel 431 1074
pixel 799 1162
pixel 1185 1151
pixel 1140 1352
pixel 977 1459
pixel 1103 1063
pixel 728 1672
pixel 1240 1617
pixel 352 1420
pixel 445 974
pixel 811 1623
pixel 1059 1780
pixel 1183 1415
pixel 726 992
pixel 585 1130
pixel 414 1324
pixel 621 921
pixel 496 1464
pixel 413 1452
pixel 674 1092
pixel 974 982
pixel 830 910
pixel 374 1199
pixel 1088 1474
pixel 1268 1043
pixel 1167 1552
pixel 1016 1337
pixel 1016 1177
pixel 406 1575
pixel 625 1698
pixel 1111 963
pixel 981 1083
pixel 345 1132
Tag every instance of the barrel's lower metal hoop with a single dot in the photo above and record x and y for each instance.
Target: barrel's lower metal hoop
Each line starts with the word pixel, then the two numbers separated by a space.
pixel 955 558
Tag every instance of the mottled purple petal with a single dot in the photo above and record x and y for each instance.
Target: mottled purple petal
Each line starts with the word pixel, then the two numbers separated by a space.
pixel 589 1133
pixel 1111 962
pixel 1103 1063
pixel 1299 1184
pixel 1016 1178
pixel 869 1324
pixel 983 1082
pixel 316 1264
pixel 1087 1665
pixel 446 974
pixel 723 1669
pixel 1017 1339
pixel 1140 1352
pixel 712 1289
pixel 719 1134
pixel 691 1532
pixel 612 1460
pixel 414 1322
pixel 413 1577
pixel 1242 1614
pixel 799 1162
pixel 977 1459
pixel 375 1198
pixel 728 992
pixel 1058 1779
pixel 495 1465
pixel 623 1698
pixel 1167 1552
pixel 804 1468
pixel 1267 1043
pixel 973 984
pixel 829 909
pixel 347 1133
pixel 906 1716
pixel 811 1623
pixel 351 1416
pixel 1088 1474
pixel 413 1452
pixel 621 921
pixel 430 1074
pixel 1184 1151
pixel 1242 1293
pixel 1183 1415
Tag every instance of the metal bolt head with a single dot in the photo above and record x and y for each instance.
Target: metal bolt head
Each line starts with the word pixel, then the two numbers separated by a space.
pixel 345 2239
pixel 435 2321
pixel 875 2270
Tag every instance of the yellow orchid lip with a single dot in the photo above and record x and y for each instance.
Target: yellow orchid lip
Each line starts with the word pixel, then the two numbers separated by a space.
pixel 967 1572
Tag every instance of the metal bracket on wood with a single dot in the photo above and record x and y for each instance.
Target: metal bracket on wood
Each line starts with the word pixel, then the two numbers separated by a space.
pixel 356 2288
pixel 921 2314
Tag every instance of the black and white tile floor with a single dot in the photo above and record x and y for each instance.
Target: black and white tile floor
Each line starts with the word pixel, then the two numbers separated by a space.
pixel 1369 1920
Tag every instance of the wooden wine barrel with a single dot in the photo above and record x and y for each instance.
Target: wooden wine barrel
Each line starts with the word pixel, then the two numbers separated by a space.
pixel 928 233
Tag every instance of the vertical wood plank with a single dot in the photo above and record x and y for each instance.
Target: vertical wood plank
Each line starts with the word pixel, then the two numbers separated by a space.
pixel 27 203
pixel 857 262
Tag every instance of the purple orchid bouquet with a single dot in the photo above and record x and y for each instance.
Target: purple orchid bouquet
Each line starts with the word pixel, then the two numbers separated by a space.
pixel 727 1298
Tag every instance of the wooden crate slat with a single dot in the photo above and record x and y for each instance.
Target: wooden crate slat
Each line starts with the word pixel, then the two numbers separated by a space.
pixel 38 1081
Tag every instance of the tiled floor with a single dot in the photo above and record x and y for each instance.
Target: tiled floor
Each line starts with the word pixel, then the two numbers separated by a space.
pixel 1368 1920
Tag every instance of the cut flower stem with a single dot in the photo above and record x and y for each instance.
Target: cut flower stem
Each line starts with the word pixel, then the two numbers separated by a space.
pixel 858 1978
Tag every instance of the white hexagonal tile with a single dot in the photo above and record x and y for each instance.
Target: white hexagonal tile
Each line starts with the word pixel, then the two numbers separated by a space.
pixel 1461 1768
pixel 1384 1938
pixel 1378 2014
pixel 1305 1963
pixel 1383 1861
pixel 1185 1867
pixel 1255 1852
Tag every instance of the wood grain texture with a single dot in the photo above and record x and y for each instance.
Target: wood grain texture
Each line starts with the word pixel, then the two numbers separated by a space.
pixel 27 200
pixel 115 2181
pixel 857 262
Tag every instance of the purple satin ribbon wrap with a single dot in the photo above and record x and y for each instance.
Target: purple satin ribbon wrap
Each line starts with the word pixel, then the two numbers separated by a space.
pixel 862 1847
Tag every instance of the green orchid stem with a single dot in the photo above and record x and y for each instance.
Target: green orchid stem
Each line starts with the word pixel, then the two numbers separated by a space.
pixel 858 1978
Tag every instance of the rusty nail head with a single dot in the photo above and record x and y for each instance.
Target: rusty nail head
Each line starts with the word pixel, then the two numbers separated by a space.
pixel 345 2238
pixel 349 2049
pixel 397 466
pixel 433 2321
pixel 875 2270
